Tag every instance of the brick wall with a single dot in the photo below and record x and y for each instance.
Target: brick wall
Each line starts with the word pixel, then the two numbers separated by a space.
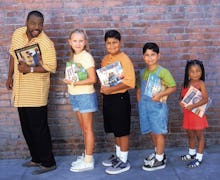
pixel 184 29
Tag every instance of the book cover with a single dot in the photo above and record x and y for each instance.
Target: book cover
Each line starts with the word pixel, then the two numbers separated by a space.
pixel 192 96
pixel 29 54
pixel 75 72
pixel 110 75
pixel 154 85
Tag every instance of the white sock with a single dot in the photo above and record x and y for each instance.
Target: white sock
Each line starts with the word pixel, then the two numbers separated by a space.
pixel 88 158
pixel 199 156
pixel 155 149
pixel 118 150
pixel 124 156
pixel 192 151
pixel 159 157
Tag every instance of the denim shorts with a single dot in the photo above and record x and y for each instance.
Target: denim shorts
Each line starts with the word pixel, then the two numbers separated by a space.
pixel 84 102
pixel 153 116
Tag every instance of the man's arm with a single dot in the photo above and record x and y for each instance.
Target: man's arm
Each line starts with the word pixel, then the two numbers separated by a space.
pixel 9 82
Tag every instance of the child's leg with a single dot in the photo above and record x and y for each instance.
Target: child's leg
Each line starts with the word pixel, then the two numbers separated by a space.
pixel 154 141
pixel 191 138
pixel 160 146
pixel 201 144
pixel 124 144
pixel 89 139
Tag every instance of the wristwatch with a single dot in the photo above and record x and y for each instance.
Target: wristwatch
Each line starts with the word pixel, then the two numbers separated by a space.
pixel 31 69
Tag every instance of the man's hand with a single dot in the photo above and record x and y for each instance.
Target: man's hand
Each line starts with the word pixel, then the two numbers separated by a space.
pixel 23 67
pixel 9 84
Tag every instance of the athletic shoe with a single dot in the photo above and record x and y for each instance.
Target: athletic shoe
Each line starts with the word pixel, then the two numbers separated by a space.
pixel 43 169
pixel 154 165
pixel 78 159
pixel 108 162
pixel 149 158
pixel 82 166
pixel 118 167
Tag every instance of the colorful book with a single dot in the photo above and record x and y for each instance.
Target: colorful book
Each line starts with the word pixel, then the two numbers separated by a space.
pixel 110 75
pixel 154 85
pixel 29 54
pixel 75 72
pixel 193 96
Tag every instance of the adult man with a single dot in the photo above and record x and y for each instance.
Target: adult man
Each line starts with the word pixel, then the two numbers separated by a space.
pixel 30 88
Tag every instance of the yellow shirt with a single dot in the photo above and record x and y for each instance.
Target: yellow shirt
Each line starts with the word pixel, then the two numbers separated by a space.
pixel 127 66
pixel 87 61
pixel 31 89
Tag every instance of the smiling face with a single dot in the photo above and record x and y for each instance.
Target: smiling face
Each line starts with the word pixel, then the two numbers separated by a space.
pixel 151 58
pixel 195 72
pixel 78 42
pixel 34 26
pixel 113 46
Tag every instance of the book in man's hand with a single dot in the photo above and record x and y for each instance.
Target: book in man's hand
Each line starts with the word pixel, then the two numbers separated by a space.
pixel 110 75
pixel 193 96
pixel 154 86
pixel 29 54
pixel 75 72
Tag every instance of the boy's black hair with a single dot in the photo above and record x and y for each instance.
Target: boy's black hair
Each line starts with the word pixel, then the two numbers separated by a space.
pixel 112 34
pixel 35 13
pixel 152 46
pixel 190 63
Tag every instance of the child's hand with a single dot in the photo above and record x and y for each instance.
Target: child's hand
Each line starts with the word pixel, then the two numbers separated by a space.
pixel 106 90
pixel 156 97
pixel 181 104
pixel 67 81
pixel 189 107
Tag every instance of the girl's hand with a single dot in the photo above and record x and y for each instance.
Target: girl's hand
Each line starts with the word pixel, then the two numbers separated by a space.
pixel 181 104
pixel 189 107
pixel 67 81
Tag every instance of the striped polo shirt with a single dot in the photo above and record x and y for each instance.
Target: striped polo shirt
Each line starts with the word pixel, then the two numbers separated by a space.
pixel 31 89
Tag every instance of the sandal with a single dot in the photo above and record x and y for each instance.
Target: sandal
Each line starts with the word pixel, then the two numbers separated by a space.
pixel 194 163
pixel 187 157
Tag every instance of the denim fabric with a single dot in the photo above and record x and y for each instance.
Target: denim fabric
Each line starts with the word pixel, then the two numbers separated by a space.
pixel 84 102
pixel 153 115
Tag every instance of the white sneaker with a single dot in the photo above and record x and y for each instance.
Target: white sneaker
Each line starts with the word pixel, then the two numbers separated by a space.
pixel 82 166
pixel 78 159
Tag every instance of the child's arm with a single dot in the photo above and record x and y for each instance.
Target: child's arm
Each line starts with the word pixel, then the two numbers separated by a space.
pixel 166 92
pixel 138 94
pixel 204 99
pixel 91 78
pixel 108 90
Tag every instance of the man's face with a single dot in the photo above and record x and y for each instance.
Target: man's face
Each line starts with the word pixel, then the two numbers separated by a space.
pixel 34 26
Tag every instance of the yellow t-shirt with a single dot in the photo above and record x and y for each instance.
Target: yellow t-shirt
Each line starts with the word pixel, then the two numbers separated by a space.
pixel 31 89
pixel 87 61
pixel 127 66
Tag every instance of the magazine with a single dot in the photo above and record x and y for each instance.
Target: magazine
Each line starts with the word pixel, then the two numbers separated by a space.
pixel 29 54
pixel 110 75
pixel 75 72
pixel 154 85
pixel 192 96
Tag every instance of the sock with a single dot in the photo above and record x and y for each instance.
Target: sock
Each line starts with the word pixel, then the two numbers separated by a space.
pixel 155 149
pixel 192 151
pixel 88 158
pixel 199 156
pixel 117 150
pixel 124 156
pixel 159 157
